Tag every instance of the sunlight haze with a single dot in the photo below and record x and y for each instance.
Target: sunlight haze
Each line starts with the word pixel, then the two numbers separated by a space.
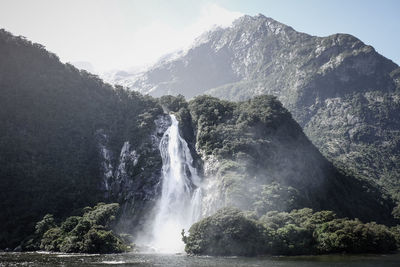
pixel 125 34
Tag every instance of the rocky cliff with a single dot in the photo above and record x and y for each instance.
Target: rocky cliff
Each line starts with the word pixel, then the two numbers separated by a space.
pixel 341 91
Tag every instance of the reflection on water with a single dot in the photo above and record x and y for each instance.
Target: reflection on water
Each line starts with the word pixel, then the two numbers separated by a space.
pixel 134 259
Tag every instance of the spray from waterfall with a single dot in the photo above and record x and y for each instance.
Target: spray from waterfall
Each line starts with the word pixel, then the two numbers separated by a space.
pixel 180 203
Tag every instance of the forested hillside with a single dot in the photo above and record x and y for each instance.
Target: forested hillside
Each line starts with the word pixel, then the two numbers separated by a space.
pixel 52 116
pixel 257 158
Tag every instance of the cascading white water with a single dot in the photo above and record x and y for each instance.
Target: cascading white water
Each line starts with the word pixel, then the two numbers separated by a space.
pixel 180 203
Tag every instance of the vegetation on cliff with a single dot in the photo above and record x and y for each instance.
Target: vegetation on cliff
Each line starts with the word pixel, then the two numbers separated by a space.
pixel 262 161
pixel 232 232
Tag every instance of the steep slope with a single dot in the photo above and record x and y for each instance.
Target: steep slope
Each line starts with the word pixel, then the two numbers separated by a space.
pixel 67 140
pixel 342 92
pixel 257 158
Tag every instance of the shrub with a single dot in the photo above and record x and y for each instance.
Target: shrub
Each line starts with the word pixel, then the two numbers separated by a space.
pixel 343 235
pixel 52 239
pixel 228 232
pixel 101 241
pixel 89 234
pixel 45 224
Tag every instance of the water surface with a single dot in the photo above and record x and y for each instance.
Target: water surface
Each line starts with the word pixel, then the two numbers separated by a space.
pixel 135 259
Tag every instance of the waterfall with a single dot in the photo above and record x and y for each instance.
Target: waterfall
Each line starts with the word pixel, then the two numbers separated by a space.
pixel 180 203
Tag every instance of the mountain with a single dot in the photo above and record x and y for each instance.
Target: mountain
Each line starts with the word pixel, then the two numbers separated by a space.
pixel 342 92
pixel 68 141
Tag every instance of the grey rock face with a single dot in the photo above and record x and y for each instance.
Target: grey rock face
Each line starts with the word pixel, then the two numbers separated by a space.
pixel 162 124
pixel 123 180
pixel 106 159
pixel 128 160
pixel 134 180
pixel 341 91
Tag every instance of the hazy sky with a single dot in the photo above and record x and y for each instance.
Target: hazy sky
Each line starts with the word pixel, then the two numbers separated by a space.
pixel 125 33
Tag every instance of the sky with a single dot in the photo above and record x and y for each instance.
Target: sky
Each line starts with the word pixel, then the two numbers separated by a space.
pixel 125 34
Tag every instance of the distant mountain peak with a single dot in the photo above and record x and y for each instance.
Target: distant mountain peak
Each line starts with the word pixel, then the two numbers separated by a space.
pixel 261 21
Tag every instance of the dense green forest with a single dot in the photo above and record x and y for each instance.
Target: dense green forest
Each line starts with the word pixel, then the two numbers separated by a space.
pixel 88 233
pixel 232 232
pixel 50 115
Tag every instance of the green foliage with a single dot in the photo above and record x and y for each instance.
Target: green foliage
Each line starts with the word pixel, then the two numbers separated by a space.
pixel 52 239
pixel 87 234
pixel 396 211
pixel 362 136
pixel 396 232
pixel 45 224
pixel 102 214
pixel 266 163
pixel 101 241
pixel 342 235
pixel 70 223
pixel 71 244
pixel 292 240
pixel 173 103
pixel 230 232
pixel 52 115
pixel 82 227
pixel 277 197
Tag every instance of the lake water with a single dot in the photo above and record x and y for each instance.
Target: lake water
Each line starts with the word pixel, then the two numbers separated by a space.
pixel 135 259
